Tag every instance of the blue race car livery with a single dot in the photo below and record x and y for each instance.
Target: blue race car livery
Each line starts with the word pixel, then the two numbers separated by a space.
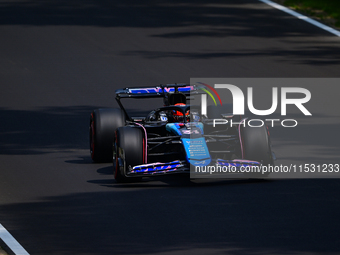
pixel 173 138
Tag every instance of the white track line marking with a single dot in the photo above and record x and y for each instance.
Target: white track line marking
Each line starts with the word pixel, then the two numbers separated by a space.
pixel 303 17
pixel 13 244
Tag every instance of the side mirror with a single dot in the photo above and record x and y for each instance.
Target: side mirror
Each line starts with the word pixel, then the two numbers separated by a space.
pixel 227 115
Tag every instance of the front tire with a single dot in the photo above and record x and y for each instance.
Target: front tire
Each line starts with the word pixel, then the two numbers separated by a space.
pixel 129 150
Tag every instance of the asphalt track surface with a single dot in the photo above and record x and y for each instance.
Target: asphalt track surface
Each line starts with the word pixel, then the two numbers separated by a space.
pixel 61 59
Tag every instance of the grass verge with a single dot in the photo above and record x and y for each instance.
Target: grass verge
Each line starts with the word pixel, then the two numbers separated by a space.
pixel 327 11
pixel 2 252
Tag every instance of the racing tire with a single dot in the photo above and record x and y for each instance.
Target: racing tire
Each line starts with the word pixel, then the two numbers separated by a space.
pixel 256 146
pixel 103 124
pixel 128 151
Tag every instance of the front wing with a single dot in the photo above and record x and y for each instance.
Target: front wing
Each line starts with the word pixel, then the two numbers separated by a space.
pixel 181 166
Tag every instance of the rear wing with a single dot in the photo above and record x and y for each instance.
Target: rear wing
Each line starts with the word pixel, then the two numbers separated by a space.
pixel 160 91
pixel 157 91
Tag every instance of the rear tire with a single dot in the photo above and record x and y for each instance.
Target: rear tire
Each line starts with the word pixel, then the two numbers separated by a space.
pixel 103 124
pixel 256 147
pixel 129 150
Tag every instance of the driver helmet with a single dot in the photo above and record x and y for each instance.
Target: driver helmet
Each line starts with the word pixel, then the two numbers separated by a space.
pixel 178 116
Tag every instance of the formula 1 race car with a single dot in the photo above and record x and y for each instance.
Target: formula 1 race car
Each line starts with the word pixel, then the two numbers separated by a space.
pixel 173 137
